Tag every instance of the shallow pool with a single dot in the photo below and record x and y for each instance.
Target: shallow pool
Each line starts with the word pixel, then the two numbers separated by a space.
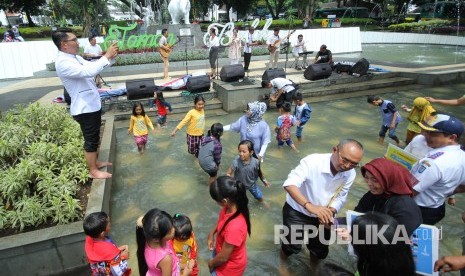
pixel 408 55
pixel 167 177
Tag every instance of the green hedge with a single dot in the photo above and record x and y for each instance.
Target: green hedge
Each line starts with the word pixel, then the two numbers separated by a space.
pixel 298 23
pixel 41 167
pixel 41 32
pixel 420 27
pixel 154 57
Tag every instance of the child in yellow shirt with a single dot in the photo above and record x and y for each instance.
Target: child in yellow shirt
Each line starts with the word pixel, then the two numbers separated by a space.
pixel 184 243
pixel 195 129
pixel 138 126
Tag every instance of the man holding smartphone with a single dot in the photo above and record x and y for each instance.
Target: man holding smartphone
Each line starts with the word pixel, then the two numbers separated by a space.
pixel 77 76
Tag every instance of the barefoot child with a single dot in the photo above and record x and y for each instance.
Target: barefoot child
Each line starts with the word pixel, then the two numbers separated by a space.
pixel 246 169
pixel 230 251
pixel 420 110
pixel 162 105
pixel 184 242
pixel 390 118
pixel 105 258
pixel 195 129
pixel 283 126
pixel 302 114
pixel 138 126
pixel 210 152
pixel 155 253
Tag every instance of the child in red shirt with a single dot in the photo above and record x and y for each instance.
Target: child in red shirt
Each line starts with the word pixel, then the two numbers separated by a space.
pixel 104 257
pixel 162 105
pixel 230 255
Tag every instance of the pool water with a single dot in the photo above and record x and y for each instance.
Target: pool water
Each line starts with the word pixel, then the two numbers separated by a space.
pixel 166 177
pixel 408 55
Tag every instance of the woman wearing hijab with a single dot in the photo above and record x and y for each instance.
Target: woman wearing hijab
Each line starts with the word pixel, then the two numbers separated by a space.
pixel 252 127
pixel 421 110
pixel 391 187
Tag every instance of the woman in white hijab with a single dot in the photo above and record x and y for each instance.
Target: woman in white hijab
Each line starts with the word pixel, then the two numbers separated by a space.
pixel 251 126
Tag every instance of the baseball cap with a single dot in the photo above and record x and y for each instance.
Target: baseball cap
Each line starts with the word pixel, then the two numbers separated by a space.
pixel 443 123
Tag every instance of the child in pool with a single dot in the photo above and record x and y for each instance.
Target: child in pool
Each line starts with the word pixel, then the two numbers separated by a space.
pixel 138 126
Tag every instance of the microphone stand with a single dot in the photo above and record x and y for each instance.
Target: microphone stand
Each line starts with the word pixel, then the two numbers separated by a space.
pixel 286 48
pixel 185 50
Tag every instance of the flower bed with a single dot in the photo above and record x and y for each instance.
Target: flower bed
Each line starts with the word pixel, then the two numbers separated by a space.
pixel 42 168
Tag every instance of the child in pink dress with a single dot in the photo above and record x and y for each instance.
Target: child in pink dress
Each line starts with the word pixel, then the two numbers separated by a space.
pixel 155 253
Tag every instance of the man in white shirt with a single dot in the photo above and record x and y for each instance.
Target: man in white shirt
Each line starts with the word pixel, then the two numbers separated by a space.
pixel 77 76
pixel 316 190
pixel 248 48
pixel 273 47
pixel 298 48
pixel 442 169
pixel 418 147
pixel 93 49
pixel 163 43
pixel 282 90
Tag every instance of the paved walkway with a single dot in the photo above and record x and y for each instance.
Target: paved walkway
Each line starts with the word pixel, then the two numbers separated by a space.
pixel 45 85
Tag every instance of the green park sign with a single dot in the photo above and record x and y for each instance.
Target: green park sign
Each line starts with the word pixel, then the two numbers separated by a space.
pixel 125 41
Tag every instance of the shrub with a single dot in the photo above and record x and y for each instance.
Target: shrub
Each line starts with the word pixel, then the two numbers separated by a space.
pixel 41 167
pixel 41 32
pixel 420 27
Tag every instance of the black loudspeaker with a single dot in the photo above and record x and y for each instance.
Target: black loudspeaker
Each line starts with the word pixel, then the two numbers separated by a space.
pixel 231 73
pixel 318 71
pixel 198 84
pixel 273 73
pixel 360 67
pixel 67 97
pixel 140 89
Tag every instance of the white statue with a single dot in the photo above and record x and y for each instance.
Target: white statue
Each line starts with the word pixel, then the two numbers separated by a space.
pixel 179 9
pixel 148 15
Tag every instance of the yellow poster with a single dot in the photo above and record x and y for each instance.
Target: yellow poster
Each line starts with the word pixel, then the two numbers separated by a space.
pixel 400 156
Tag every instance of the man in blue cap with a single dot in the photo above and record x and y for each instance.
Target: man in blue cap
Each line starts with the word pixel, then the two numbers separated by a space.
pixel 442 169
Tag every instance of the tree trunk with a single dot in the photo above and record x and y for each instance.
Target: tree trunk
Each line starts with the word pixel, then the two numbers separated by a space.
pixel 88 22
pixel 29 19
pixel 312 9
pixel 270 8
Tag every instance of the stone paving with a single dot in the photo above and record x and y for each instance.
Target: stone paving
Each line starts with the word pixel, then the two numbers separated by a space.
pixel 45 85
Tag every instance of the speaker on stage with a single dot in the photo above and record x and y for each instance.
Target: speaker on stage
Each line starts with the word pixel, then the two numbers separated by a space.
pixel 140 89
pixel 231 73
pixel 273 73
pixel 360 67
pixel 198 84
pixel 318 71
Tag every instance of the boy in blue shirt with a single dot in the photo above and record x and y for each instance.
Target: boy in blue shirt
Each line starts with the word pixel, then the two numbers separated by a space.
pixel 301 113
pixel 390 118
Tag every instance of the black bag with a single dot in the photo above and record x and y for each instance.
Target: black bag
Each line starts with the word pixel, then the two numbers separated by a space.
pixel 340 67
pixel 198 84
pixel 296 85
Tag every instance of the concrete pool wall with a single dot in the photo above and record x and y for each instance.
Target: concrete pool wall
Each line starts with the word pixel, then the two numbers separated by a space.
pixel 59 249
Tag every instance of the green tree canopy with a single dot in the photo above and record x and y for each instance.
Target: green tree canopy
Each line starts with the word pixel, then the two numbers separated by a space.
pixel 29 7
pixel 86 12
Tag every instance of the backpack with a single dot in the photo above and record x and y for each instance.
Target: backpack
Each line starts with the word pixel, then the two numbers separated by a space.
pixel 284 133
pixel 295 85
